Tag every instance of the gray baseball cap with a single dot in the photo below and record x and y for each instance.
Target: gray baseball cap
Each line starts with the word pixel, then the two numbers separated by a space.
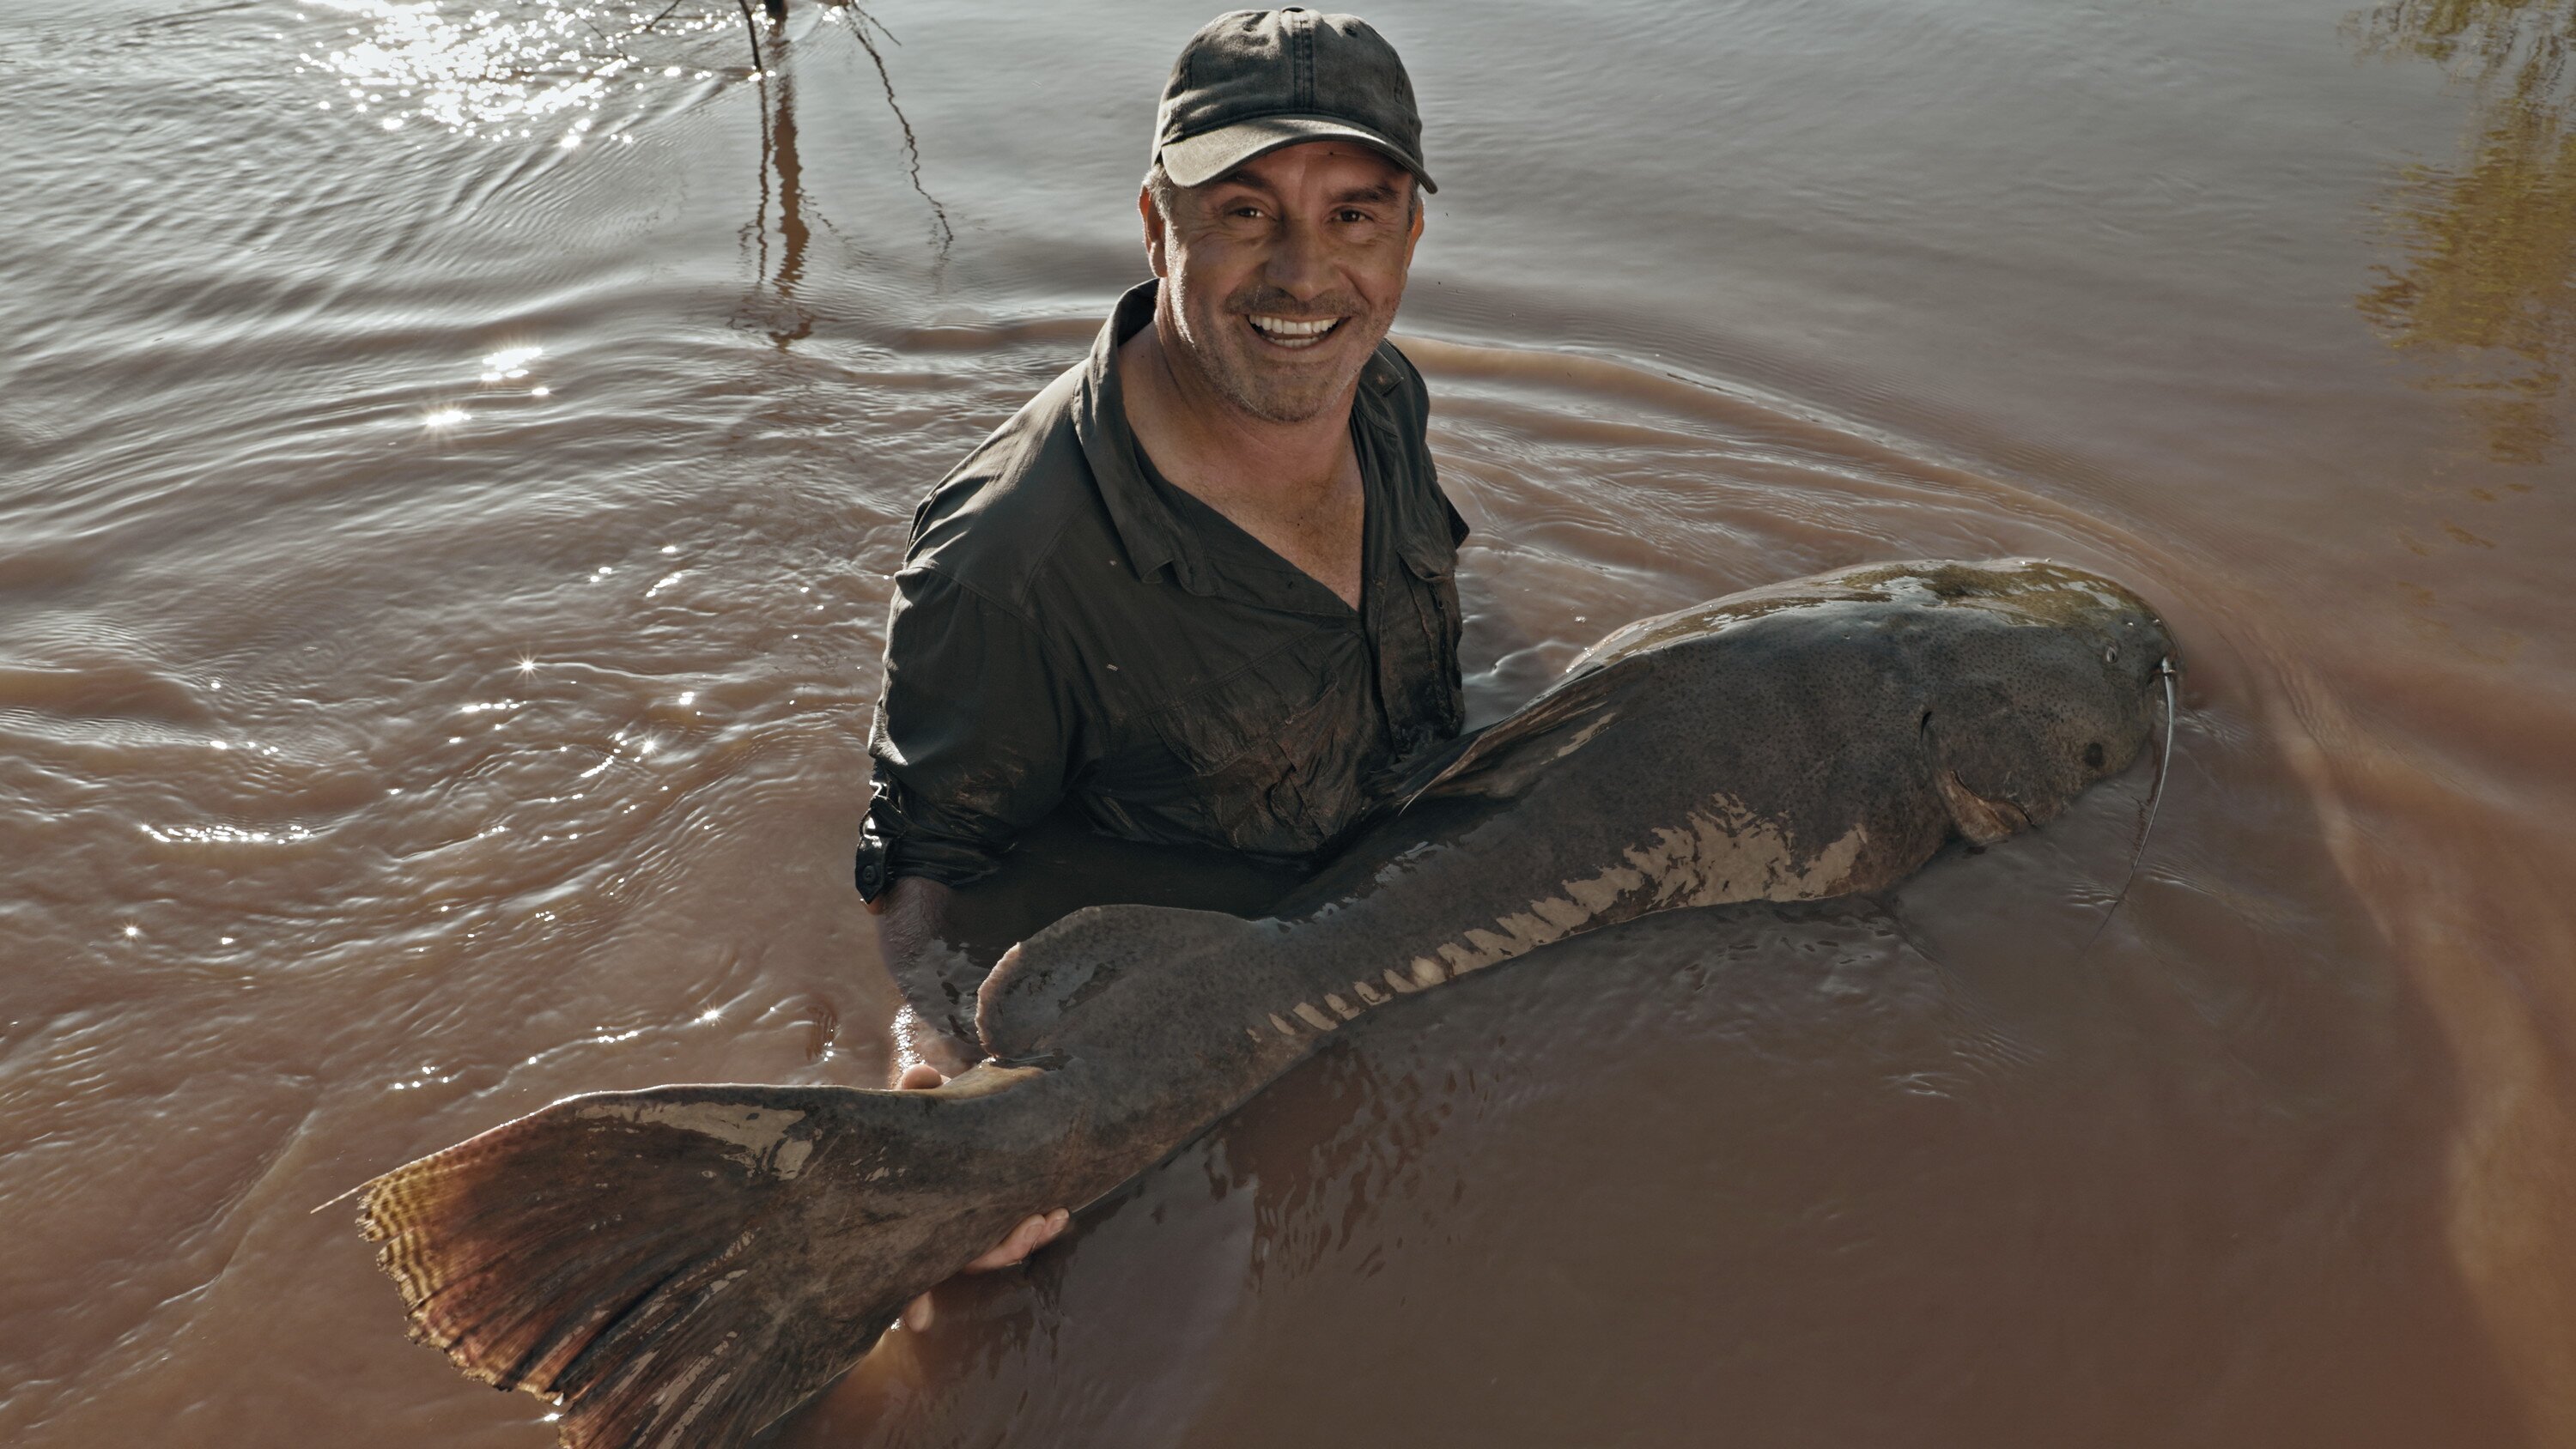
pixel 1253 81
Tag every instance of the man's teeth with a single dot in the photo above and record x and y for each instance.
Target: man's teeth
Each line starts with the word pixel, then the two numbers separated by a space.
pixel 1288 333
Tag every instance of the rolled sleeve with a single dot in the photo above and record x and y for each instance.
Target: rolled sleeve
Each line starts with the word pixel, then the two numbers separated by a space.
pixel 971 738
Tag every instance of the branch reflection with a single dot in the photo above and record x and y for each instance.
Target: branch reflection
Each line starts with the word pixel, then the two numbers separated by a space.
pixel 775 308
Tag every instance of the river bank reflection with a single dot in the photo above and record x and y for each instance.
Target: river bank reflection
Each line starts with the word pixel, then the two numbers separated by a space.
pixel 2485 300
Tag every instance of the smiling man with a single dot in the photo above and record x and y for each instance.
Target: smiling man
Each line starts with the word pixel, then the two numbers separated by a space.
pixel 1199 590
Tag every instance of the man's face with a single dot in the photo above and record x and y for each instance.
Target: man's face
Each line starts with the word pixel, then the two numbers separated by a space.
pixel 1282 276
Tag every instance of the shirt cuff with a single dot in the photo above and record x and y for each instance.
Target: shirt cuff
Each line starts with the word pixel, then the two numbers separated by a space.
pixel 885 858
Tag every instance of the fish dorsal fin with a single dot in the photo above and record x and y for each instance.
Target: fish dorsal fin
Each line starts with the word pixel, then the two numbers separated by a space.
pixel 1512 753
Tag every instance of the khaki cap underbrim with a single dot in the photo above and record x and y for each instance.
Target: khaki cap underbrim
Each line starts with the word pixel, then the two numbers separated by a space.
pixel 1198 160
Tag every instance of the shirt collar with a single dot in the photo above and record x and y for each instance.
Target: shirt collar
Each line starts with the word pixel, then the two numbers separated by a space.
pixel 1147 529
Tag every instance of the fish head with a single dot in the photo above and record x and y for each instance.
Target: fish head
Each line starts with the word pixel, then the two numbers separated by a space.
pixel 2042 680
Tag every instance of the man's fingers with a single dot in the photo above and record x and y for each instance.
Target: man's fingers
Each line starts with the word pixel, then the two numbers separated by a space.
pixel 1023 1241
pixel 1032 1234
pixel 918 1076
pixel 947 1053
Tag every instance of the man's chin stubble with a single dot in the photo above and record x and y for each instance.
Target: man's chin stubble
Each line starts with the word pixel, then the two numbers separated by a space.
pixel 1275 405
pixel 1275 410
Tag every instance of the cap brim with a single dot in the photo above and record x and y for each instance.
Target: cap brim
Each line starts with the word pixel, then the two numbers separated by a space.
pixel 1198 160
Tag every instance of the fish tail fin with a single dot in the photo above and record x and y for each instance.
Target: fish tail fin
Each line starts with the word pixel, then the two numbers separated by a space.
pixel 682 1266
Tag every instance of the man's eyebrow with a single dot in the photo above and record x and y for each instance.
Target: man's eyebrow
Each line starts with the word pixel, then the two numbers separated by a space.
pixel 1380 191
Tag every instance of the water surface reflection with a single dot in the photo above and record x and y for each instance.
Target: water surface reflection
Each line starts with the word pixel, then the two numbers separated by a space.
pixel 364 783
pixel 487 73
pixel 2486 298
pixel 774 308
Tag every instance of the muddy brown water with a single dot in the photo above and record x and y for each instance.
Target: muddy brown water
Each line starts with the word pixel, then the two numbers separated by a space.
pixel 448 474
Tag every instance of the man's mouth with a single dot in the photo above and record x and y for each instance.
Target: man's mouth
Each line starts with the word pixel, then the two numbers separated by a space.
pixel 1290 333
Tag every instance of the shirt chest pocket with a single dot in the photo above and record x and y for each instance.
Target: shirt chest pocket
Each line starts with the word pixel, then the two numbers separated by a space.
pixel 1271 752
pixel 1434 707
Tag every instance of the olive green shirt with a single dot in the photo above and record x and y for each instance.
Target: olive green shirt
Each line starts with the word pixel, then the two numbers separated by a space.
pixel 1068 626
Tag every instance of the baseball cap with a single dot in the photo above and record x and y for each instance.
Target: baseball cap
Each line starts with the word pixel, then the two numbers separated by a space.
pixel 1252 81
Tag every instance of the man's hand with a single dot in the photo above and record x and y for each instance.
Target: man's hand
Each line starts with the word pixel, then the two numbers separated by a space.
pixel 910 915
pixel 1032 1234
pixel 928 1050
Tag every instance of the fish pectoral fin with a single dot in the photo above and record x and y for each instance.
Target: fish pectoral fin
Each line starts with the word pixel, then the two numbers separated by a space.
pixel 1982 819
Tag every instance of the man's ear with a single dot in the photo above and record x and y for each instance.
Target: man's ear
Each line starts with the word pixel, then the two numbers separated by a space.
pixel 1413 233
pixel 1154 234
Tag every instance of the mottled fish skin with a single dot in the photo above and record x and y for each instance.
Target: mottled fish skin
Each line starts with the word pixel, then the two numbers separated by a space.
pixel 1818 738
pixel 680 1266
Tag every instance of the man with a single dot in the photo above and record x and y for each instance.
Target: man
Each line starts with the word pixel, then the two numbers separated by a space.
pixel 1200 588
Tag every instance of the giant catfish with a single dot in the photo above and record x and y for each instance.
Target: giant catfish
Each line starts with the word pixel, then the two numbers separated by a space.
pixel 680 1266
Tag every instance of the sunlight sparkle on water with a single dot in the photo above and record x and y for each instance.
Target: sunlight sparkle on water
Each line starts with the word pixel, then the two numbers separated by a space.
pixel 509 364
pixel 443 418
pixel 471 70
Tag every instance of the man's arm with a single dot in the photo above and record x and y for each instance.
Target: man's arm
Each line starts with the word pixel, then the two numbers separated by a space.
pixel 935 977
pixel 912 916
pixel 970 741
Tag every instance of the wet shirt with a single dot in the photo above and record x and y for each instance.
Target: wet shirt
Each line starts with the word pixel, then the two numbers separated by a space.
pixel 1070 626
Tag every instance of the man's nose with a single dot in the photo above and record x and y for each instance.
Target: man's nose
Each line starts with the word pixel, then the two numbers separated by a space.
pixel 1301 263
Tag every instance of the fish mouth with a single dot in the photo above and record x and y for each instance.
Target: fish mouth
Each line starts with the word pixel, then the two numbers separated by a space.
pixel 1292 333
